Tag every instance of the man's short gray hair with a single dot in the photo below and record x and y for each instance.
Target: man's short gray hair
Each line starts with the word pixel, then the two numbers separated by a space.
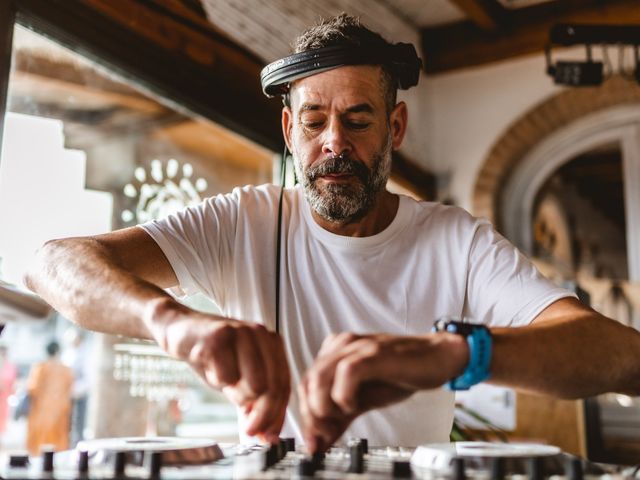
pixel 346 30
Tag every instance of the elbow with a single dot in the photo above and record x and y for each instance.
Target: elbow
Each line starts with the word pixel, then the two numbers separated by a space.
pixel 42 262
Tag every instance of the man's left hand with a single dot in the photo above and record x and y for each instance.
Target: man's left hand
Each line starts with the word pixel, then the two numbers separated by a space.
pixel 355 373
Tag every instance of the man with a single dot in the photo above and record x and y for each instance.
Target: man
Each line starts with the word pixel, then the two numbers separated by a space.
pixel 362 277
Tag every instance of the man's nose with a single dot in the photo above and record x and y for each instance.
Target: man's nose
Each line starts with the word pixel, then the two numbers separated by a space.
pixel 336 140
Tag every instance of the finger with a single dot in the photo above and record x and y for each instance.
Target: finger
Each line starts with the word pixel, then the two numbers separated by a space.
pixel 320 382
pixel 310 425
pixel 282 385
pixel 253 379
pixel 267 409
pixel 351 372
pixel 336 341
pixel 215 354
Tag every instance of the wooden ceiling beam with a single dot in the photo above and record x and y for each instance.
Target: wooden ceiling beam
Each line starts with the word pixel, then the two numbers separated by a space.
pixel 464 45
pixel 488 15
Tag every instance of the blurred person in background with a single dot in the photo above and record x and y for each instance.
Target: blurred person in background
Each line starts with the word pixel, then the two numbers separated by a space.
pixel 75 357
pixel 50 384
pixel 8 374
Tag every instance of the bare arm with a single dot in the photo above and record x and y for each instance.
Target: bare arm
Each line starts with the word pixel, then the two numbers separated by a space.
pixel 570 351
pixel 113 283
pixel 106 283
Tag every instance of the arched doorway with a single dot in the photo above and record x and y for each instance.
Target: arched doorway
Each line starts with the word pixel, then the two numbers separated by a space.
pixel 560 129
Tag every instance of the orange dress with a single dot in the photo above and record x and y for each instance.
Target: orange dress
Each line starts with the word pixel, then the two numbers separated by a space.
pixel 8 376
pixel 49 387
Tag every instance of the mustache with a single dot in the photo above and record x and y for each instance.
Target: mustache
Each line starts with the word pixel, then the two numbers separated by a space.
pixel 338 165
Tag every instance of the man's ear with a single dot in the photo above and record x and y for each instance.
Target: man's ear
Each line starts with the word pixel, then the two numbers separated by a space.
pixel 287 125
pixel 398 120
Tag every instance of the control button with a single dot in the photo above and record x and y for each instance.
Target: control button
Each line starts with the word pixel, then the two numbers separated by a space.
pixel 318 460
pixel 535 468
pixel 575 470
pixel 290 444
pixel 305 467
pixel 356 458
pixel 119 464
pixel 271 456
pixel 457 467
pixel 47 459
pixel 19 460
pixel 497 468
pixel 365 445
pixel 155 465
pixel 83 462
pixel 401 469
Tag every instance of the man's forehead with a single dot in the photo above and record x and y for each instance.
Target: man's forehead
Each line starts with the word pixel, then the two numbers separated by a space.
pixel 344 87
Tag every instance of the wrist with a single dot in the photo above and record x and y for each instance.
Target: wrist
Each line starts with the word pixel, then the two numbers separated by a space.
pixel 159 314
pixel 477 356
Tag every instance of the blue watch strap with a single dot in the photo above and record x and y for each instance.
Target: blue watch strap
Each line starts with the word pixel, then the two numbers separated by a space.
pixel 480 342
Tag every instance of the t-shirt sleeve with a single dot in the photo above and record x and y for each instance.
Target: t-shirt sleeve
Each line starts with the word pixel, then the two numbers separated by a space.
pixel 503 287
pixel 198 243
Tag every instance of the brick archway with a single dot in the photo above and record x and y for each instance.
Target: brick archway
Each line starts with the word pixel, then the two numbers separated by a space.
pixel 536 124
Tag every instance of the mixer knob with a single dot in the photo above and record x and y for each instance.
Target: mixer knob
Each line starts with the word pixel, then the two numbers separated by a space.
pixel 356 462
pixel 83 463
pixel 535 468
pixel 457 467
pixel 365 445
pixel 290 444
pixel 47 459
pixel 401 469
pixel 119 464
pixel 271 456
pixel 305 467
pixel 574 467
pixel 497 468
pixel 19 460
pixel 155 465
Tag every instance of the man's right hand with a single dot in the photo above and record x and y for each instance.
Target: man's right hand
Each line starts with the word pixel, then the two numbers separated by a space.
pixel 244 360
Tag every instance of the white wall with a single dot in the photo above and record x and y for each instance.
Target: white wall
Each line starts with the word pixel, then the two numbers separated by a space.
pixel 455 118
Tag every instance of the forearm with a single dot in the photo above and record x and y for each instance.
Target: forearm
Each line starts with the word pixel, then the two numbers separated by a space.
pixel 82 280
pixel 579 356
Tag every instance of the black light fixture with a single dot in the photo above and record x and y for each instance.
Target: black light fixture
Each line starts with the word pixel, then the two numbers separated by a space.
pixel 579 73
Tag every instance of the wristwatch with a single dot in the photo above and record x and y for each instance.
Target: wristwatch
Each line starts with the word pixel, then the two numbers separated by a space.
pixel 479 341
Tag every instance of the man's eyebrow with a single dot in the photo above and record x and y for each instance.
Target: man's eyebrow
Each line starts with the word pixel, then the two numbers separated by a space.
pixel 360 108
pixel 309 107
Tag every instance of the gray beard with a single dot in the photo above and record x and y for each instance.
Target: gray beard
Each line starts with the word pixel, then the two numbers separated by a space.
pixel 343 203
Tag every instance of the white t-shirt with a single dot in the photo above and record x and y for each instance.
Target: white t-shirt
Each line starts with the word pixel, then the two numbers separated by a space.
pixel 431 261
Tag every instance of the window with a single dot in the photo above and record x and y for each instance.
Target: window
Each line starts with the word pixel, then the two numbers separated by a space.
pixel 86 152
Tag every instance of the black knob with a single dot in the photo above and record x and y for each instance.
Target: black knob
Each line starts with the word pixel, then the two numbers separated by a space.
pixel 356 462
pixel 401 469
pixel 497 468
pixel 282 449
pixel 305 467
pixel 155 465
pixel 119 464
pixel 535 468
pixel 19 460
pixel 271 456
pixel 83 462
pixel 318 460
pixel 575 470
pixel 47 460
pixel 290 444
pixel 365 445
pixel 457 467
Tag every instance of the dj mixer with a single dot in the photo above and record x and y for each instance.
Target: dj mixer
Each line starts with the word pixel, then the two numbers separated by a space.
pixel 197 459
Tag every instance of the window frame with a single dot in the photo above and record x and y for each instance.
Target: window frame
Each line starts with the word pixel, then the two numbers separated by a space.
pixel 176 80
